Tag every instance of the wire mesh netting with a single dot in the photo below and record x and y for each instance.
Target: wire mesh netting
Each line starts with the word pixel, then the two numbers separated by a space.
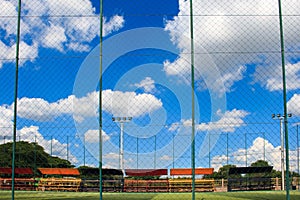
pixel 171 96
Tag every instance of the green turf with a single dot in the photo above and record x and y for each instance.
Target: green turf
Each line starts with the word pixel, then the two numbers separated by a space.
pixel 255 195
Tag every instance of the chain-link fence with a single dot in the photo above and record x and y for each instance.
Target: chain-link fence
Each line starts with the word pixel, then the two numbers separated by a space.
pixel 139 84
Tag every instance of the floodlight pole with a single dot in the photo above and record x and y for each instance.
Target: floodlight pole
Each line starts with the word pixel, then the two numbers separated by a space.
pixel 154 151
pixel 281 118
pixel 227 147
pixel 246 149
pixel 264 146
pixel 121 121
pixel 84 150
pixel 298 150
pixel 67 148
pixel 282 153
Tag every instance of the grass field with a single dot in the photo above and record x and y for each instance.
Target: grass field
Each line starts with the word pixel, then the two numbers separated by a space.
pixel 254 195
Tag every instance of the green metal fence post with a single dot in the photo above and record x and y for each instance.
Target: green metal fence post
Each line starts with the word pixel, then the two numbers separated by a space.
pixel 284 102
pixel 15 101
pixel 193 98
pixel 100 97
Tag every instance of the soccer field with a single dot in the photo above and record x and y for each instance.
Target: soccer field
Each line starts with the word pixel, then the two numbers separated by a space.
pixel 255 195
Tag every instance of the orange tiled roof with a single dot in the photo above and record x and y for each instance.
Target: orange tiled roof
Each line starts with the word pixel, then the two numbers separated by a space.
pixel 188 171
pixel 59 171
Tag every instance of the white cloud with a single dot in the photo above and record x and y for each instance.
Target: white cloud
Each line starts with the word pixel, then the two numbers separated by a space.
pixel 41 110
pixel 271 79
pixel 32 134
pixel 147 84
pixel 129 103
pixel 69 7
pixel 116 103
pixel 174 127
pixel 293 105
pixel 114 156
pixel 62 25
pixel 8 52
pixel 256 151
pixel 165 158
pixel 228 122
pixel 92 136
pixel 6 124
pixel 259 150
pixel 54 37
pixel 223 36
pixel 7 8
pixel 113 24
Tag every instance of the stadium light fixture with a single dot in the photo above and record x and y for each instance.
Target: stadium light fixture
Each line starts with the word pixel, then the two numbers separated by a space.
pixel 121 121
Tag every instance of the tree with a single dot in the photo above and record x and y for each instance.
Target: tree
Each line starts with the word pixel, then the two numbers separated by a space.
pixel 30 155
pixel 222 172
pixel 262 163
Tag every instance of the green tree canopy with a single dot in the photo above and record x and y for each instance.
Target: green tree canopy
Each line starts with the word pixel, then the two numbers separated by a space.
pixel 222 172
pixel 260 163
pixel 30 155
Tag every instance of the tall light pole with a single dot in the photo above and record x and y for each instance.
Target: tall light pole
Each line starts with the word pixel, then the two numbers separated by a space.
pixel 78 136
pixel 298 150
pixel 122 120
pixel 246 148
pixel 227 147
pixel 281 118
pixel 154 151
pixel 264 146
pixel 67 148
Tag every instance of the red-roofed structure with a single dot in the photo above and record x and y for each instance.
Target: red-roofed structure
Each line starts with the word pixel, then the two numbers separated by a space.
pixel 19 171
pixel 188 171
pixel 146 172
pixel 59 171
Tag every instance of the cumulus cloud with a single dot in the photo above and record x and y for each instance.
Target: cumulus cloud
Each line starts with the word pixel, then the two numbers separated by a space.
pixel 116 103
pixel 165 158
pixel 61 25
pixel 229 34
pixel 271 79
pixel 228 122
pixel 293 105
pixel 92 136
pixel 6 120
pixel 130 103
pixel 32 134
pixel 259 150
pixel 147 84
pixel 114 156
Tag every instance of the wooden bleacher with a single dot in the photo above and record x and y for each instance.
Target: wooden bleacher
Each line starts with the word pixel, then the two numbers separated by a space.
pixel 112 180
pixel 185 184
pixel 159 185
pixel 21 182
pixel 59 179
pixel 255 178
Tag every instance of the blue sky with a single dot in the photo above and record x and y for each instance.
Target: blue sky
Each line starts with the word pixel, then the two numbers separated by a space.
pixel 147 76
